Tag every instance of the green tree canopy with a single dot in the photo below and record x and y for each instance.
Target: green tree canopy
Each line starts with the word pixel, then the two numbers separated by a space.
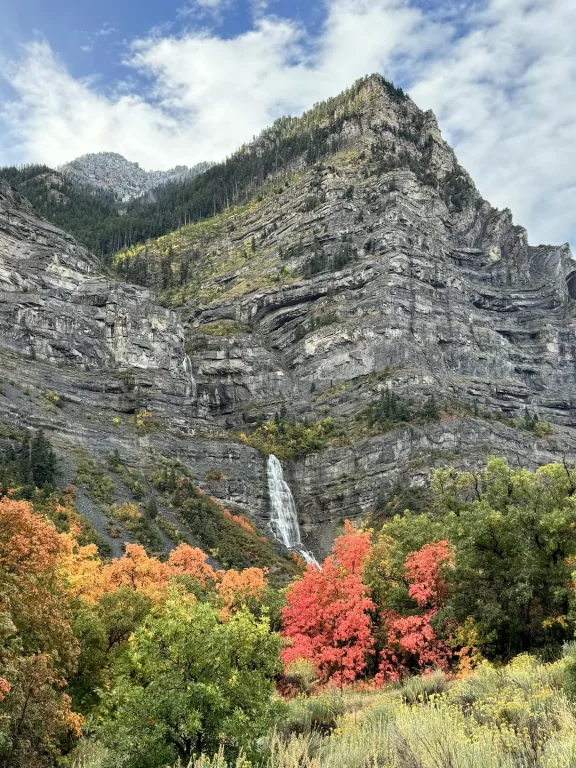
pixel 191 682
pixel 514 538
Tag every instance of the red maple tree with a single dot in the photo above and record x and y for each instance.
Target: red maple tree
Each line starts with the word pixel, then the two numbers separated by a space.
pixel 327 616
pixel 412 641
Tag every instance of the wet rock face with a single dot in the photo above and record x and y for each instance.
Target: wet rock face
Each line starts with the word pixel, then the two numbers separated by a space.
pixel 423 288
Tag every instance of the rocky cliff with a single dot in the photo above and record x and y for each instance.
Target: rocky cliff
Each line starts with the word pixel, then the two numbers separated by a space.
pixel 369 265
pixel 111 172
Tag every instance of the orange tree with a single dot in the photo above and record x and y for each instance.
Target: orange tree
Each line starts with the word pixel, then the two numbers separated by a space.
pixel 38 650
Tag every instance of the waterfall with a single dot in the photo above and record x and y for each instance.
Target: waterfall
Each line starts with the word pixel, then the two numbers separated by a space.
pixel 283 517
pixel 187 365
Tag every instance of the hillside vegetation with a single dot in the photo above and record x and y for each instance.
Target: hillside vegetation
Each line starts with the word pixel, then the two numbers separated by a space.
pixel 392 654
pixel 106 230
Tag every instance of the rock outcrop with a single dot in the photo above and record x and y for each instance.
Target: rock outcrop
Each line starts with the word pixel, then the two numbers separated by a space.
pixel 111 172
pixel 377 267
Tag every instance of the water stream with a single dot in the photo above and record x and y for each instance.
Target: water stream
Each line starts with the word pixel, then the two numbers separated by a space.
pixel 187 365
pixel 283 517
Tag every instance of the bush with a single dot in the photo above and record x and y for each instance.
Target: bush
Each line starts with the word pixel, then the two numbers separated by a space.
pixel 213 476
pixel 315 713
pixel 225 328
pixel 97 483
pixel 570 678
pixel 392 409
pixel 288 440
pixel 321 261
pixel 301 675
pixel 139 526
pixel 418 689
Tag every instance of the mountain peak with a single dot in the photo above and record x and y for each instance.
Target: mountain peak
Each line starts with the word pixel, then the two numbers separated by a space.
pixel 111 172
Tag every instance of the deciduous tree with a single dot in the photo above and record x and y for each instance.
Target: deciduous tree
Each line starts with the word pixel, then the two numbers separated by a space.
pixel 37 647
pixel 327 618
pixel 191 683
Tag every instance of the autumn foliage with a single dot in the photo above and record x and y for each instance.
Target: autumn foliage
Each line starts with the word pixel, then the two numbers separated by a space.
pixel 327 616
pixel 490 566
pixel 331 619
pixel 38 650
pixel 412 641
pixel 65 614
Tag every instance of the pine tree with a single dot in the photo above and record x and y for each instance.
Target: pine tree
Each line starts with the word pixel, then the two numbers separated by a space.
pixel 430 410
pixel 43 463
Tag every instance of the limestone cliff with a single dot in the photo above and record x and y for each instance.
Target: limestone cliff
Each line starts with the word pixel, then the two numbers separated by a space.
pixel 112 173
pixel 373 266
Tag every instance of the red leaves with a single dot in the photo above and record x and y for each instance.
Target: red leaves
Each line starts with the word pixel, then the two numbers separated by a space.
pixel 327 616
pixel 424 572
pixel 411 641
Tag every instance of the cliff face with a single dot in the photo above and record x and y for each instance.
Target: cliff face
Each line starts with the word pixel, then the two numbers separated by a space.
pixel 110 172
pixel 379 267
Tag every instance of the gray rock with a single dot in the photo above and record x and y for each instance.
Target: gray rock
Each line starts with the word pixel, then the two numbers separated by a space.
pixel 444 295
pixel 110 172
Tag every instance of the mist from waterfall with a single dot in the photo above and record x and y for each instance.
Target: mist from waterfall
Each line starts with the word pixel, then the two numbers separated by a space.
pixel 283 517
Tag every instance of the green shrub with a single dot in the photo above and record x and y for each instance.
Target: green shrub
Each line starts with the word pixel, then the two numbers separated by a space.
pixel 570 678
pixel 225 328
pixel 415 690
pixel 391 409
pixel 301 673
pixel 151 508
pixel 137 524
pixel 311 202
pixel 213 475
pixel 320 261
pixel 288 440
pixel 138 490
pixel 97 483
pixel 305 714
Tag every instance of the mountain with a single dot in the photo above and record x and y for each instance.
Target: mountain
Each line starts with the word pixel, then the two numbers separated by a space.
pixel 83 212
pixel 355 307
pixel 110 172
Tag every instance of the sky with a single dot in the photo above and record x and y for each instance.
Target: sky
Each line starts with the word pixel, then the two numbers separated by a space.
pixel 172 82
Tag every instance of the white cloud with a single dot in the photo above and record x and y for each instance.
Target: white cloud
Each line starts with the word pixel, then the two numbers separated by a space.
pixel 501 79
pixel 105 30
pixel 506 97
pixel 200 8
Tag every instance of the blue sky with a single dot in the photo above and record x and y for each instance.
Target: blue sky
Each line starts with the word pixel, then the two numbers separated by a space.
pixel 92 36
pixel 180 81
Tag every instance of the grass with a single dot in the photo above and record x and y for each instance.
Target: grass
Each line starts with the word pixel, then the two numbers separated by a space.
pixel 514 717
pixel 517 716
